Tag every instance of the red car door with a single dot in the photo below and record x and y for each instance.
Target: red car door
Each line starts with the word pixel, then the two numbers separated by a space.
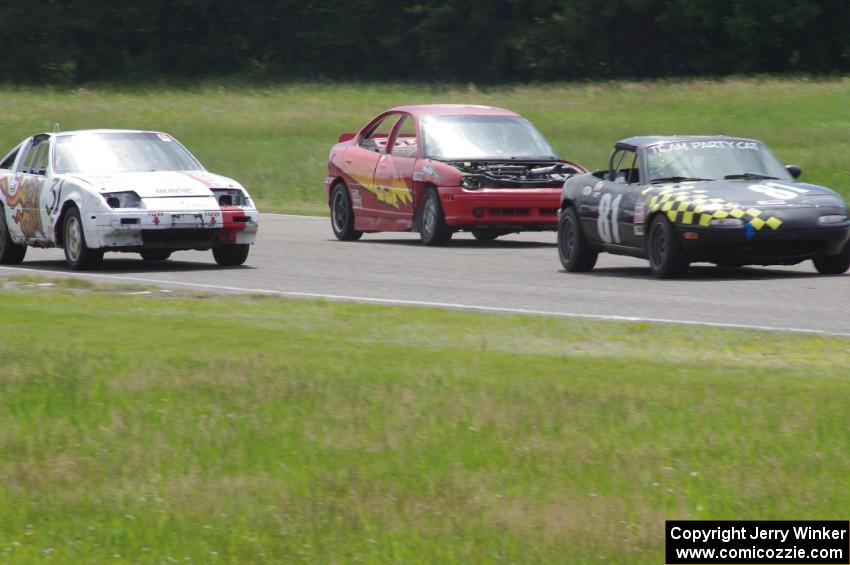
pixel 361 161
pixel 394 178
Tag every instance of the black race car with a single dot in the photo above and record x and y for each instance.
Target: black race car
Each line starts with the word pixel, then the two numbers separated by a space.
pixel 676 200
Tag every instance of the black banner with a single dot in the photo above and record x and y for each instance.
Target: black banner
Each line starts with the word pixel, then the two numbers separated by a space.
pixel 694 542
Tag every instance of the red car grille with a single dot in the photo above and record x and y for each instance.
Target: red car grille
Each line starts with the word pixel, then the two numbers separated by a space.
pixel 513 212
pixel 509 211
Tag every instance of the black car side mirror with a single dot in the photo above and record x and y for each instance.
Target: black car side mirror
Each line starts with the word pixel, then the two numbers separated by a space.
pixel 794 170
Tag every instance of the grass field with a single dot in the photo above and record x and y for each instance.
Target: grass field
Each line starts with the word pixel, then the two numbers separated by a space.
pixel 192 428
pixel 276 140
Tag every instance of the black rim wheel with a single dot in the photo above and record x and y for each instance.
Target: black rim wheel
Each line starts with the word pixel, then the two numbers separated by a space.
pixel 667 259
pixel 339 211
pixel 568 240
pixel 429 218
pixel 658 245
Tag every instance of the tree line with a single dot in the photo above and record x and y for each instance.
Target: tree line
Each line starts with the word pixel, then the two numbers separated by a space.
pixel 485 41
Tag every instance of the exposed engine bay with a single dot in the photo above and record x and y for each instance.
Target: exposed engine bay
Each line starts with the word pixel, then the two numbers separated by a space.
pixel 501 174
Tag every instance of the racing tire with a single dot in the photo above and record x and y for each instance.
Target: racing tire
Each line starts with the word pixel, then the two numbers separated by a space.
pixel 342 215
pixel 78 255
pixel 432 223
pixel 834 264
pixel 667 259
pixel 10 252
pixel 231 254
pixel 487 235
pixel 575 252
pixel 156 254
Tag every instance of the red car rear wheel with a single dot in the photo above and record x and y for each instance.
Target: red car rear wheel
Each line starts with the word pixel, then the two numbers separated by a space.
pixel 342 215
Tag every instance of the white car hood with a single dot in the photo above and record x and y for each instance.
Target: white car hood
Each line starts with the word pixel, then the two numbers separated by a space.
pixel 160 184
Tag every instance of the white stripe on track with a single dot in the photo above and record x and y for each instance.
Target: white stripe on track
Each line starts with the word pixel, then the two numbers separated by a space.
pixel 431 304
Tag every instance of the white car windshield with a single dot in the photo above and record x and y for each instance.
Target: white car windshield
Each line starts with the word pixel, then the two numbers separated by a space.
pixel 483 137
pixel 713 160
pixel 125 152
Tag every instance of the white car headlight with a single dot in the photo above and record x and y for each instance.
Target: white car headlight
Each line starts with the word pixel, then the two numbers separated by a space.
pixel 127 199
pixel 831 219
pixel 230 196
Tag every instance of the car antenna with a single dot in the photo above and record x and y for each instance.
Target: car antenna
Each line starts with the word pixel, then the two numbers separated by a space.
pixel 56 127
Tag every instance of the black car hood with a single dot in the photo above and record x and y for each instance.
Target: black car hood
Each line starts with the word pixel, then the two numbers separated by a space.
pixel 754 193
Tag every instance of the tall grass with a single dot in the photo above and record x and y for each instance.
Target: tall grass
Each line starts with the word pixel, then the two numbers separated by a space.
pixel 236 430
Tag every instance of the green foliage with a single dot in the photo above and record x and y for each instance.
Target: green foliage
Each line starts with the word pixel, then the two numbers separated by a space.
pixel 495 41
pixel 258 430
pixel 276 140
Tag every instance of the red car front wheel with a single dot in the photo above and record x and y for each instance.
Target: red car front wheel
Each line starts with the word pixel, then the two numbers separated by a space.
pixel 432 224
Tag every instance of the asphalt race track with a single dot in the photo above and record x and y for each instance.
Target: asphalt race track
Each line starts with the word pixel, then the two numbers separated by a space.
pixel 298 256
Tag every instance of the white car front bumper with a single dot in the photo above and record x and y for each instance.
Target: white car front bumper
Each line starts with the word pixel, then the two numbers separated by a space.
pixel 175 229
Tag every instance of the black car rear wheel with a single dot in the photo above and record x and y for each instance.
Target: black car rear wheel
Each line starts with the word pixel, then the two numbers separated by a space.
pixel 834 264
pixel 573 248
pixel 667 259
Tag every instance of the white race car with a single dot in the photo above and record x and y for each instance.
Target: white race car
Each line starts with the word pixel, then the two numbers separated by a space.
pixel 94 191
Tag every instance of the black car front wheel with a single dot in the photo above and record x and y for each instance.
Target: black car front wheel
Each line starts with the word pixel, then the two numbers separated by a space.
pixel 834 264
pixel 573 248
pixel 667 259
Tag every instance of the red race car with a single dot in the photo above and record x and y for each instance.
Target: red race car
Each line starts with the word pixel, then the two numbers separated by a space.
pixel 442 168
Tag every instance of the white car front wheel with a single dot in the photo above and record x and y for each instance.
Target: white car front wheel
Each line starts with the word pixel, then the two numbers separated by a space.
pixel 78 254
pixel 231 254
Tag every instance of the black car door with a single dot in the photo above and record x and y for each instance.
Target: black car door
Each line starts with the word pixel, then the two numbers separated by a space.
pixel 610 211
pixel 631 212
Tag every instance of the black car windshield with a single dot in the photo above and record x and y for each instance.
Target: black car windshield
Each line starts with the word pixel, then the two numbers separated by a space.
pixel 713 159
pixel 483 137
pixel 124 152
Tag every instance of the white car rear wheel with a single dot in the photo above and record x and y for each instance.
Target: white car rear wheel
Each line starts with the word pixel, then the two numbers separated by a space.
pixel 10 252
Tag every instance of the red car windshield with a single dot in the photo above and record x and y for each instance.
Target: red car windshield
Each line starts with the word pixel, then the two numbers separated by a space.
pixel 483 137
pixel 107 153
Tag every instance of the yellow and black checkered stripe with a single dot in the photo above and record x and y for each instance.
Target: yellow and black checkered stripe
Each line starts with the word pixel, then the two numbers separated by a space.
pixel 690 206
